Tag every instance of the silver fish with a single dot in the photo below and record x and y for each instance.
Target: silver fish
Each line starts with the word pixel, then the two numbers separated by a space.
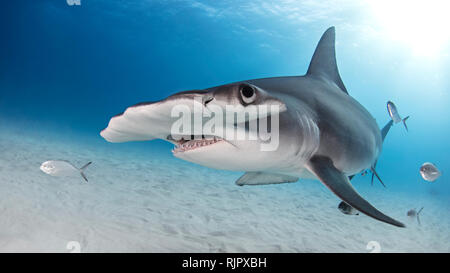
pixel 347 209
pixel 413 213
pixel 63 168
pixel 429 172
pixel 395 116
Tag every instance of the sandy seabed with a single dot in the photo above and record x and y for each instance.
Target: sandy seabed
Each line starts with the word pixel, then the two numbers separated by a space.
pixel 147 202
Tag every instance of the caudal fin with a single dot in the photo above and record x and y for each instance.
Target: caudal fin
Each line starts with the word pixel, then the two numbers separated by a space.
pixel 375 173
pixel 82 169
pixel 404 122
pixel 384 132
pixel 386 128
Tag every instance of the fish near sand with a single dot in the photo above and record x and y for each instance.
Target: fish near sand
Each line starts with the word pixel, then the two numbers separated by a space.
pixel 321 131
pixel 414 214
pixel 347 209
pixel 63 168
pixel 395 116
pixel 429 172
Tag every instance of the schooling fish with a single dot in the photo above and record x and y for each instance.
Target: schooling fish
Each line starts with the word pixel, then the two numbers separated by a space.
pixel 63 168
pixel 347 209
pixel 395 116
pixel 413 213
pixel 429 172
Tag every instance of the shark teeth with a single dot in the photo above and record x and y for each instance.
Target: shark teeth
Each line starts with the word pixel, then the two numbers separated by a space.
pixel 194 144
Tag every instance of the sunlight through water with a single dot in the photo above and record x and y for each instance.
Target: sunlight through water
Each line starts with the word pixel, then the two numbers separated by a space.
pixel 421 25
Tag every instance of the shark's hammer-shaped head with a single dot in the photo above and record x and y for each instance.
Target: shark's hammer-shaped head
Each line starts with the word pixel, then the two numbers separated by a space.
pixel 233 127
pixel 239 128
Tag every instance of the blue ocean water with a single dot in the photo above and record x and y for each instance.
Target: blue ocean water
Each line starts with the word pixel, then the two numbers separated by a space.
pixel 67 69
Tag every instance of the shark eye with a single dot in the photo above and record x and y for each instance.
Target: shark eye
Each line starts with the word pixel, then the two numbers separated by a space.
pixel 248 93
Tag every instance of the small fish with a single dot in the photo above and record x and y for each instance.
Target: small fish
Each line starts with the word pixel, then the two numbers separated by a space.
pixel 393 113
pixel 347 209
pixel 63 168
pixel 429 172
pixel 413 213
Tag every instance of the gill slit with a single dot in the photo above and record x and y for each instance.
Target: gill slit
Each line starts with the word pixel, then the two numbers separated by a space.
pixel 310 140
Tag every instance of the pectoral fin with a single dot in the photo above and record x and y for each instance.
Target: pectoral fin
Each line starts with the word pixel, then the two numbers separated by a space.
pixel 339 184
pixel 261 178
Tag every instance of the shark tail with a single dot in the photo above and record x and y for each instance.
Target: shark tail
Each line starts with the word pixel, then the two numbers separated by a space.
pixel 384 132
pixel 386 128
pixel 82 169
pixel 371 181
pixel 404 122
pixel 375 173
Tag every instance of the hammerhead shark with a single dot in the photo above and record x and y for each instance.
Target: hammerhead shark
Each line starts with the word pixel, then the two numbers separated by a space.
pixel 323 133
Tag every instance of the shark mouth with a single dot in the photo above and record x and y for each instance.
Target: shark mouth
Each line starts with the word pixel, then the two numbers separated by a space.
pixel 193 143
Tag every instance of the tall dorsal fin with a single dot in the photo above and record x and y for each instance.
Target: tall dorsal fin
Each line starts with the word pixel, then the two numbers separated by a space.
pixel 323 63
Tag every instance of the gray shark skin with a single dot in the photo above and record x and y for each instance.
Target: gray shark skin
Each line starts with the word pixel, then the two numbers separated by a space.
pixel 324 133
